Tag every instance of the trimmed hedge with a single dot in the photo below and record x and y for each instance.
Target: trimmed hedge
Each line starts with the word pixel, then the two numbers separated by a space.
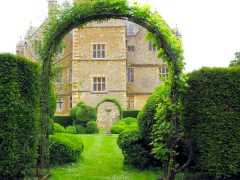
pixel 92 128
pixel 64 148
pixel 71 130
pixel 135 151
pixel 57 128
pixel 130 113
pixel 19 116
pixel 146 117
pixel 127 124
pixel 212 120
pixel 82 114
pixel 63 120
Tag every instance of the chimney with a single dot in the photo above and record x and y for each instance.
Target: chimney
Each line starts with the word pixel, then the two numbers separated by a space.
pixel 52 8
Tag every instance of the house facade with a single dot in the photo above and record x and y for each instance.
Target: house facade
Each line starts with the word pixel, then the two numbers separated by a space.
pixel 103 59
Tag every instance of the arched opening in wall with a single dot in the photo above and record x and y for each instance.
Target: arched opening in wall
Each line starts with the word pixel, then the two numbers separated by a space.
pixel 107 114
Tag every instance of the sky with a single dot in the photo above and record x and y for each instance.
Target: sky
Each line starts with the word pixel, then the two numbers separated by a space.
pixel 210 28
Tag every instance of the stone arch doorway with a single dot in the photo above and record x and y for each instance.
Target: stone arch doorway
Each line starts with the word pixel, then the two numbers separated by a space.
pixel 107 114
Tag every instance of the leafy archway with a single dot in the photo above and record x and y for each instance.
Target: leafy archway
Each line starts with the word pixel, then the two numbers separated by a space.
pixel 168 46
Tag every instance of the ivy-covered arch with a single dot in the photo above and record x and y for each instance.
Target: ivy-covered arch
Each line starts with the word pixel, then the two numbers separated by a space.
pixel 111 100
pixel 168 46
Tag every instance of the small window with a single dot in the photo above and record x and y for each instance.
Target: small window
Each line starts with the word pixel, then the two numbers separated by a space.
pixel 99 51
pixel 131 48
pixel 163 71
pixel 151 47
pixel 130 74
pixel 59 105
pixel 99 84
pixel 131 102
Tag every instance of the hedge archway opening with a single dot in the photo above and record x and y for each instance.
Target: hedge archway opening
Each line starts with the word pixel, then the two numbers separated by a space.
pixel 168 46
pixel 113 101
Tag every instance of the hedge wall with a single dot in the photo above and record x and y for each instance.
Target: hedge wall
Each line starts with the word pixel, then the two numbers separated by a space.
pixel 19 116
pixel 63 120
pixel 130 113
pixel 212 120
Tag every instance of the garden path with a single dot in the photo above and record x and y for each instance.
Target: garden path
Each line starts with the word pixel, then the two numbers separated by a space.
pixel 101 160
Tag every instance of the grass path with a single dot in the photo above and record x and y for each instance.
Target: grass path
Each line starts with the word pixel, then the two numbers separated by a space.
pixel 101 160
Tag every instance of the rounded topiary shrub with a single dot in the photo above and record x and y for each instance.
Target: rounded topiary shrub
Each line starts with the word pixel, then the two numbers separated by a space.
pixel 92 128
pixel 64 148
pixel 19 116
pixel 57 128
pixel 71 130
pixel 80 129
pixel 82 114
pixel 134 150
pixel 126 124
pixel 212 120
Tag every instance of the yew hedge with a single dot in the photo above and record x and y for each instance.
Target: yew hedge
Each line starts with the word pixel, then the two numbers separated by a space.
pixel 212 120
pixel 19 116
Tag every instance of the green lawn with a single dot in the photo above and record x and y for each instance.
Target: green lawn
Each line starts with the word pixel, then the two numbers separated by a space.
pixel 101 160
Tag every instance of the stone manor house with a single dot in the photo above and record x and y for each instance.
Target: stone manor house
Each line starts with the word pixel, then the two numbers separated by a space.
pixel 102 59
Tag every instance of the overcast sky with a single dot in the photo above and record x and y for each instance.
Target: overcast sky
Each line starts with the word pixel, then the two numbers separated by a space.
pixel 210 28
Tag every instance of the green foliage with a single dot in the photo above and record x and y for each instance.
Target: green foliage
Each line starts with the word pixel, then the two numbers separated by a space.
pixel 57 128
pixel 130 113
pixel 134 150
pixel 236 60
pixel 64 148
pixel 19 116
pixel 63 120
pixel 126 124
pixel 80 129
pixel 92 128
pixel 212 120
pixel 82 114
pixel 71 130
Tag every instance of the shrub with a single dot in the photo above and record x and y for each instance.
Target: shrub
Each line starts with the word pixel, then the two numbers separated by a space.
pixel 71 130
pixel 51 126
pixel 212 120
pixel 57 128
pixel 80 129
pixel 82 114
pixel 134 150
pixel 19 116
pixel 64 148
pixel 92 127
pixel 63 120
pixel 146 118
pixel 127 124
pixel 130 113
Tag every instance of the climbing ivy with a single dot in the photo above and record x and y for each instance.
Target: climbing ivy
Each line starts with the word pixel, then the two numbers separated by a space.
pixel 169 49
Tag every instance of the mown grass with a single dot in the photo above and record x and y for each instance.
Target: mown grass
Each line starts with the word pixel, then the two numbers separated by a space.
pixel 101 160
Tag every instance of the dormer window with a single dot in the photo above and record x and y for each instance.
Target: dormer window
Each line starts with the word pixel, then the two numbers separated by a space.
pixel 99 51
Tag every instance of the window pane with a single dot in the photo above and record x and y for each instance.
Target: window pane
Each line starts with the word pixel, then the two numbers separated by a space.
pixel 99 87
pixel 95 87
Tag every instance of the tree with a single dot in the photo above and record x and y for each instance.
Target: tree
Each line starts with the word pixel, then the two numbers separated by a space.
pixel 236 61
